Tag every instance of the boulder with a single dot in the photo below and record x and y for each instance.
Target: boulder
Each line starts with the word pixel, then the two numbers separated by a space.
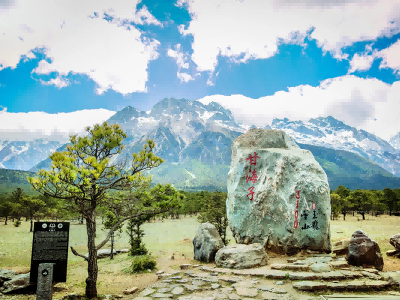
pixel 17 283
pixel 206 243
pixel 7 274
pixel 102 253
pixel 278 194
pixel 341 247
pixel 395 241
pixel 364 251
pixel 241 256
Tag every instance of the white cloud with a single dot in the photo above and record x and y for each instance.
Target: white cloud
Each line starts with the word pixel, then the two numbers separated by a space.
pixel 179 56
pixel 254 28
pixel 353 100
pixel 210 83
pixel 364 61
pixel 34 125
pixel 113 54
pixel 184 77
pixel 180 59
pixel 144 16
pixel 391 57
pixel 58 82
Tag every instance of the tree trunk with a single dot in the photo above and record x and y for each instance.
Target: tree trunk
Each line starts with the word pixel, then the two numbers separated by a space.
pixel 112 246
pixel 6 221
pixel 91 280
pixel 390 213
pixel 31 225
pixel 363 215
pixel 26 219
pixel 344 216
pixel 353 213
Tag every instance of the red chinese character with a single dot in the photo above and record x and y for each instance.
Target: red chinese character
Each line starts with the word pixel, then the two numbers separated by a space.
pixel 253 158
pixel 251 193
pixel 253 177
pixel 313 206
pixel 295 223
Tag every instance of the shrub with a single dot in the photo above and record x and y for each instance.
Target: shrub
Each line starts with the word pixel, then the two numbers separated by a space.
pixel 17 223
pixel 142 263
pixel 141 250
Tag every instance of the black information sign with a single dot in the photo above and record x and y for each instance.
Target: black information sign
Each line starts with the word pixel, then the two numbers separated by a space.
pixel 50 245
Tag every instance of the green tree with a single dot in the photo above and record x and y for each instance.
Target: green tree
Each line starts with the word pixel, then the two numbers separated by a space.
pixel 214 212
pixel 390 199
pixel 18 209
pixel 32 206
pixel 361 200
pixel 83 175
pixel 342 191
pixel 335 205
pixel 6 210
pixel 110 221
pixel 133 229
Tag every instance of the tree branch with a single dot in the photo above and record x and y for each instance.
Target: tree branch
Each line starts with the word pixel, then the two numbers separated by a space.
pixel 112 229
pixel 77 254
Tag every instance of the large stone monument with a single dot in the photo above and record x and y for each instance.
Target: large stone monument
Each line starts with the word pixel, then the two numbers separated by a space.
pixel 278 194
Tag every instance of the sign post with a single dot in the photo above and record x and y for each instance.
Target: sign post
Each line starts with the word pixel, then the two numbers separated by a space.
pixel 49 256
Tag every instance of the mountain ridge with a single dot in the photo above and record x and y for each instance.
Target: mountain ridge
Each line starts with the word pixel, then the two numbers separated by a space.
pixel 189 131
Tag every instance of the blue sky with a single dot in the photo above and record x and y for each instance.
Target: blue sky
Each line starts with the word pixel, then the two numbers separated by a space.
pixel 261 59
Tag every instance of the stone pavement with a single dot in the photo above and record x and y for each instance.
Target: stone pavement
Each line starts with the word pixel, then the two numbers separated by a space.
pixel 298 279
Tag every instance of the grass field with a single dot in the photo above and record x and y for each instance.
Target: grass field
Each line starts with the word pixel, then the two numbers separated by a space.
pixel 170 235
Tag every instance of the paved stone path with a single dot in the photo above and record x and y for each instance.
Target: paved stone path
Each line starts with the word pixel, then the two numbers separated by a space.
pixel 318 272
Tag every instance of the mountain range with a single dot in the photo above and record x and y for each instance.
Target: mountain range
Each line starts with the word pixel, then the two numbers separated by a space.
pixel 195 141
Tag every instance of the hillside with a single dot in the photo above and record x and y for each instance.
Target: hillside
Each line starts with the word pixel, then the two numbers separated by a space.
pixel 342 168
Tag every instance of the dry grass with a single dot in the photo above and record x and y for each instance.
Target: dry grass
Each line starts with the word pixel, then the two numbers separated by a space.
pixel 162 239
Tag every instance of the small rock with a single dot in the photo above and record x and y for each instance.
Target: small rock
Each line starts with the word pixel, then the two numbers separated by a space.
pixel 159 272
pixel 130 291
pixel 279 282
pixel 185 266
pixel 161 295
pixel 320 267
pixel 278 266
pixel 195 266
pixel 339 264
pixel 215 286
pixel 391 252
pixel 177 291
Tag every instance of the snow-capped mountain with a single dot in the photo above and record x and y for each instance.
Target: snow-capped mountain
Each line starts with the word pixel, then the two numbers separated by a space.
pixel 23 155
pixel 184 130
pixel 331 133
pixel 395 141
